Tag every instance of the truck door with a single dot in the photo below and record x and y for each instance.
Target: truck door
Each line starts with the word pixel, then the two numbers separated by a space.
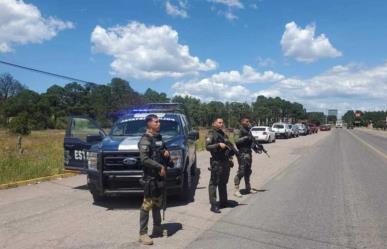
pixel 81 134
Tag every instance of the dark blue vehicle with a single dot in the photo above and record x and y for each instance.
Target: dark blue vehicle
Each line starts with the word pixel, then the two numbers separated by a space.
pixel 112 162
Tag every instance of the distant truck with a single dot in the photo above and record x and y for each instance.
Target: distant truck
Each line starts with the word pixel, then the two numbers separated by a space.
pixel 111 161
pixel 339 124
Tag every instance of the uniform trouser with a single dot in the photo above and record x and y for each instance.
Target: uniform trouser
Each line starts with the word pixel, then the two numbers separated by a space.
pixel 244 169
pixel 220 172
pixel 154 204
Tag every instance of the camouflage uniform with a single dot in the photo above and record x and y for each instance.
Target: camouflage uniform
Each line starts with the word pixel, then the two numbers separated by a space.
pixel 243 143
pixel 151 148
pixel 219 165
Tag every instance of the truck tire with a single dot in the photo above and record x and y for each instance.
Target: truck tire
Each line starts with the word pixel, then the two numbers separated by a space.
pixel 185 192
pixel 98 198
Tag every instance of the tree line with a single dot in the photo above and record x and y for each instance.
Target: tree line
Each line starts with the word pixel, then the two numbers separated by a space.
pixel 22 110
pixel 377 118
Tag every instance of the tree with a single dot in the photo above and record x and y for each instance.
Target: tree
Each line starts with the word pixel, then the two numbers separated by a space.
pixel 151 96
pixel 316 117
pixel 349 117
pixel 9 86
pixel 19 124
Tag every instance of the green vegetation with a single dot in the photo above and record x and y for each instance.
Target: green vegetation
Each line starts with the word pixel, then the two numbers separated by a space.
pixel 41 154
pixel 377 118
pixel 49 110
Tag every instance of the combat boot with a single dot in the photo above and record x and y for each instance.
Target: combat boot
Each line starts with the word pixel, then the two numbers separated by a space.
pixel 145 239
pixel 157 231
pixel 215 209
pixel 237 193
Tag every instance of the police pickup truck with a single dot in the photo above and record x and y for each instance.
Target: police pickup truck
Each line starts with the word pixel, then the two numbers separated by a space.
pixel 112 161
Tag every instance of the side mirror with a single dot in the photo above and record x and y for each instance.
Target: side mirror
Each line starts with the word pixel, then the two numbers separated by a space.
pixel 193 135
pixel 94 138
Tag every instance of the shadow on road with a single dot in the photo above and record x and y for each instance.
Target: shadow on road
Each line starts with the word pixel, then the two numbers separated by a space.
pixel 172 228
pixel 245 192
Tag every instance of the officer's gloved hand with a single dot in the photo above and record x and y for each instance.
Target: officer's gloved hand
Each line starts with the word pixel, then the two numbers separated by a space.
pixel 231 163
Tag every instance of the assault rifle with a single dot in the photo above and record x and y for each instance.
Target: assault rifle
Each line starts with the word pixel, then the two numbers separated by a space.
pixel 257 147
pixel 168 163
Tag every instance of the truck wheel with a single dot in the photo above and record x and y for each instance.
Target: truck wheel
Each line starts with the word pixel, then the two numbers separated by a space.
pixel 98 198
pixel 185 192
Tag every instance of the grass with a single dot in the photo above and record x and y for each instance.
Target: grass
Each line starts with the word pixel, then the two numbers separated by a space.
pixel 201 143
pixel 42 155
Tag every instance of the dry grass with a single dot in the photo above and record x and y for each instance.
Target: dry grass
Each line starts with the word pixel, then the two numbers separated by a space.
pixel 42 155
pixel 201 143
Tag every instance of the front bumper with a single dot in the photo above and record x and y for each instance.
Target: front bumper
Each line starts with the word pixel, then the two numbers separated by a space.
pixel 128 182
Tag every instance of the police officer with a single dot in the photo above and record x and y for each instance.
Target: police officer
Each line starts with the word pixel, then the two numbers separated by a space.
pixel 152 149
pixel 243 141
pixel 220 164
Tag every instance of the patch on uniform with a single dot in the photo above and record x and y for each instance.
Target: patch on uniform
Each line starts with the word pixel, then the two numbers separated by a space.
pixel 159 143
pixel 208 140
pixel 144 147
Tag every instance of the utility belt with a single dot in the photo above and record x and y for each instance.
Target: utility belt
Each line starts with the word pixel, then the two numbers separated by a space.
pixel 245 150
pixel 215 163
pixel 152 186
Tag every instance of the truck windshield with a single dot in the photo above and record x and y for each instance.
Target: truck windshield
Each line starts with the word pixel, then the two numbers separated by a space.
pixel 137 127
pixel 280 126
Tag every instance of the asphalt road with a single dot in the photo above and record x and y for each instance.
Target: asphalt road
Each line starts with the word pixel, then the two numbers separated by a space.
pixel 61 214
pixel 334 196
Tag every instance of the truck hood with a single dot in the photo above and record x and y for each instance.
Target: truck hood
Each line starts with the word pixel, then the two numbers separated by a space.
pixel 115 143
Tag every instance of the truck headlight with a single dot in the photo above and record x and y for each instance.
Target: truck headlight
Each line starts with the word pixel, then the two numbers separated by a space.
pixel 177 157
pixel 92 160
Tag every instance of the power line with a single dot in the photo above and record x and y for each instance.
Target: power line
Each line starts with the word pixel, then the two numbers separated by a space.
pixel 44 72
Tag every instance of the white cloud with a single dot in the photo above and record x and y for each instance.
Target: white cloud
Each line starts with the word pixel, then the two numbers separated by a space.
pixel 341 87
pixel 179 10
pixel 303 45
pixel 265 62
pixel 248 75
pixel 208 90
pixel 22 23
pixel 147 52
pixel 226 85
pixel 229 3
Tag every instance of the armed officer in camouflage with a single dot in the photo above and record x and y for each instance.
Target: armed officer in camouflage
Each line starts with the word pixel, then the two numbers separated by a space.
pixel 243 141
pixel 152 149
pixel 220 163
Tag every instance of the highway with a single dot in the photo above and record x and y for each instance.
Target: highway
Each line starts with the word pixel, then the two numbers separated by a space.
pixel 332 197
pixel 326 190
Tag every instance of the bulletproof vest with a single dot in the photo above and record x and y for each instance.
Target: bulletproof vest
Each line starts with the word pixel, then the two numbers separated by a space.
pixel 219 137
pixel 246 145
pixel 156 147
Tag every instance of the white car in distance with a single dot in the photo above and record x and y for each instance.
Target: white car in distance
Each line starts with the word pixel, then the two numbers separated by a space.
pixel 263 134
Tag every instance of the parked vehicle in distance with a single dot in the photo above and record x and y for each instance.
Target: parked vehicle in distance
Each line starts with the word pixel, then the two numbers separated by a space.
pixel 302 130
pixel 294 129
pixel 325 127
pixel 312 128
pixel 281 130
pixel 112 161
pixel 263 134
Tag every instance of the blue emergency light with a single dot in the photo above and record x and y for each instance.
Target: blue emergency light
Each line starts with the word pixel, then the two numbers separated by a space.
pixel 150 108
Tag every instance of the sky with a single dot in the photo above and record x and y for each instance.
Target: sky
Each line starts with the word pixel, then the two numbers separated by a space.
pixel 324 54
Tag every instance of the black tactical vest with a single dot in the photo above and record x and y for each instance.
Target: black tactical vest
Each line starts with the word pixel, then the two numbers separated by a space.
pixel 155 151
pixel 246 145
pixel 219 137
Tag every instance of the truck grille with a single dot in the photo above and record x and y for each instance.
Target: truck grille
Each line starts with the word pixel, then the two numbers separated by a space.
pixel 121 161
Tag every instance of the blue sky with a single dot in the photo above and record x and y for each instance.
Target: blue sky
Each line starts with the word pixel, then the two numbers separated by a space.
pixel 324 54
